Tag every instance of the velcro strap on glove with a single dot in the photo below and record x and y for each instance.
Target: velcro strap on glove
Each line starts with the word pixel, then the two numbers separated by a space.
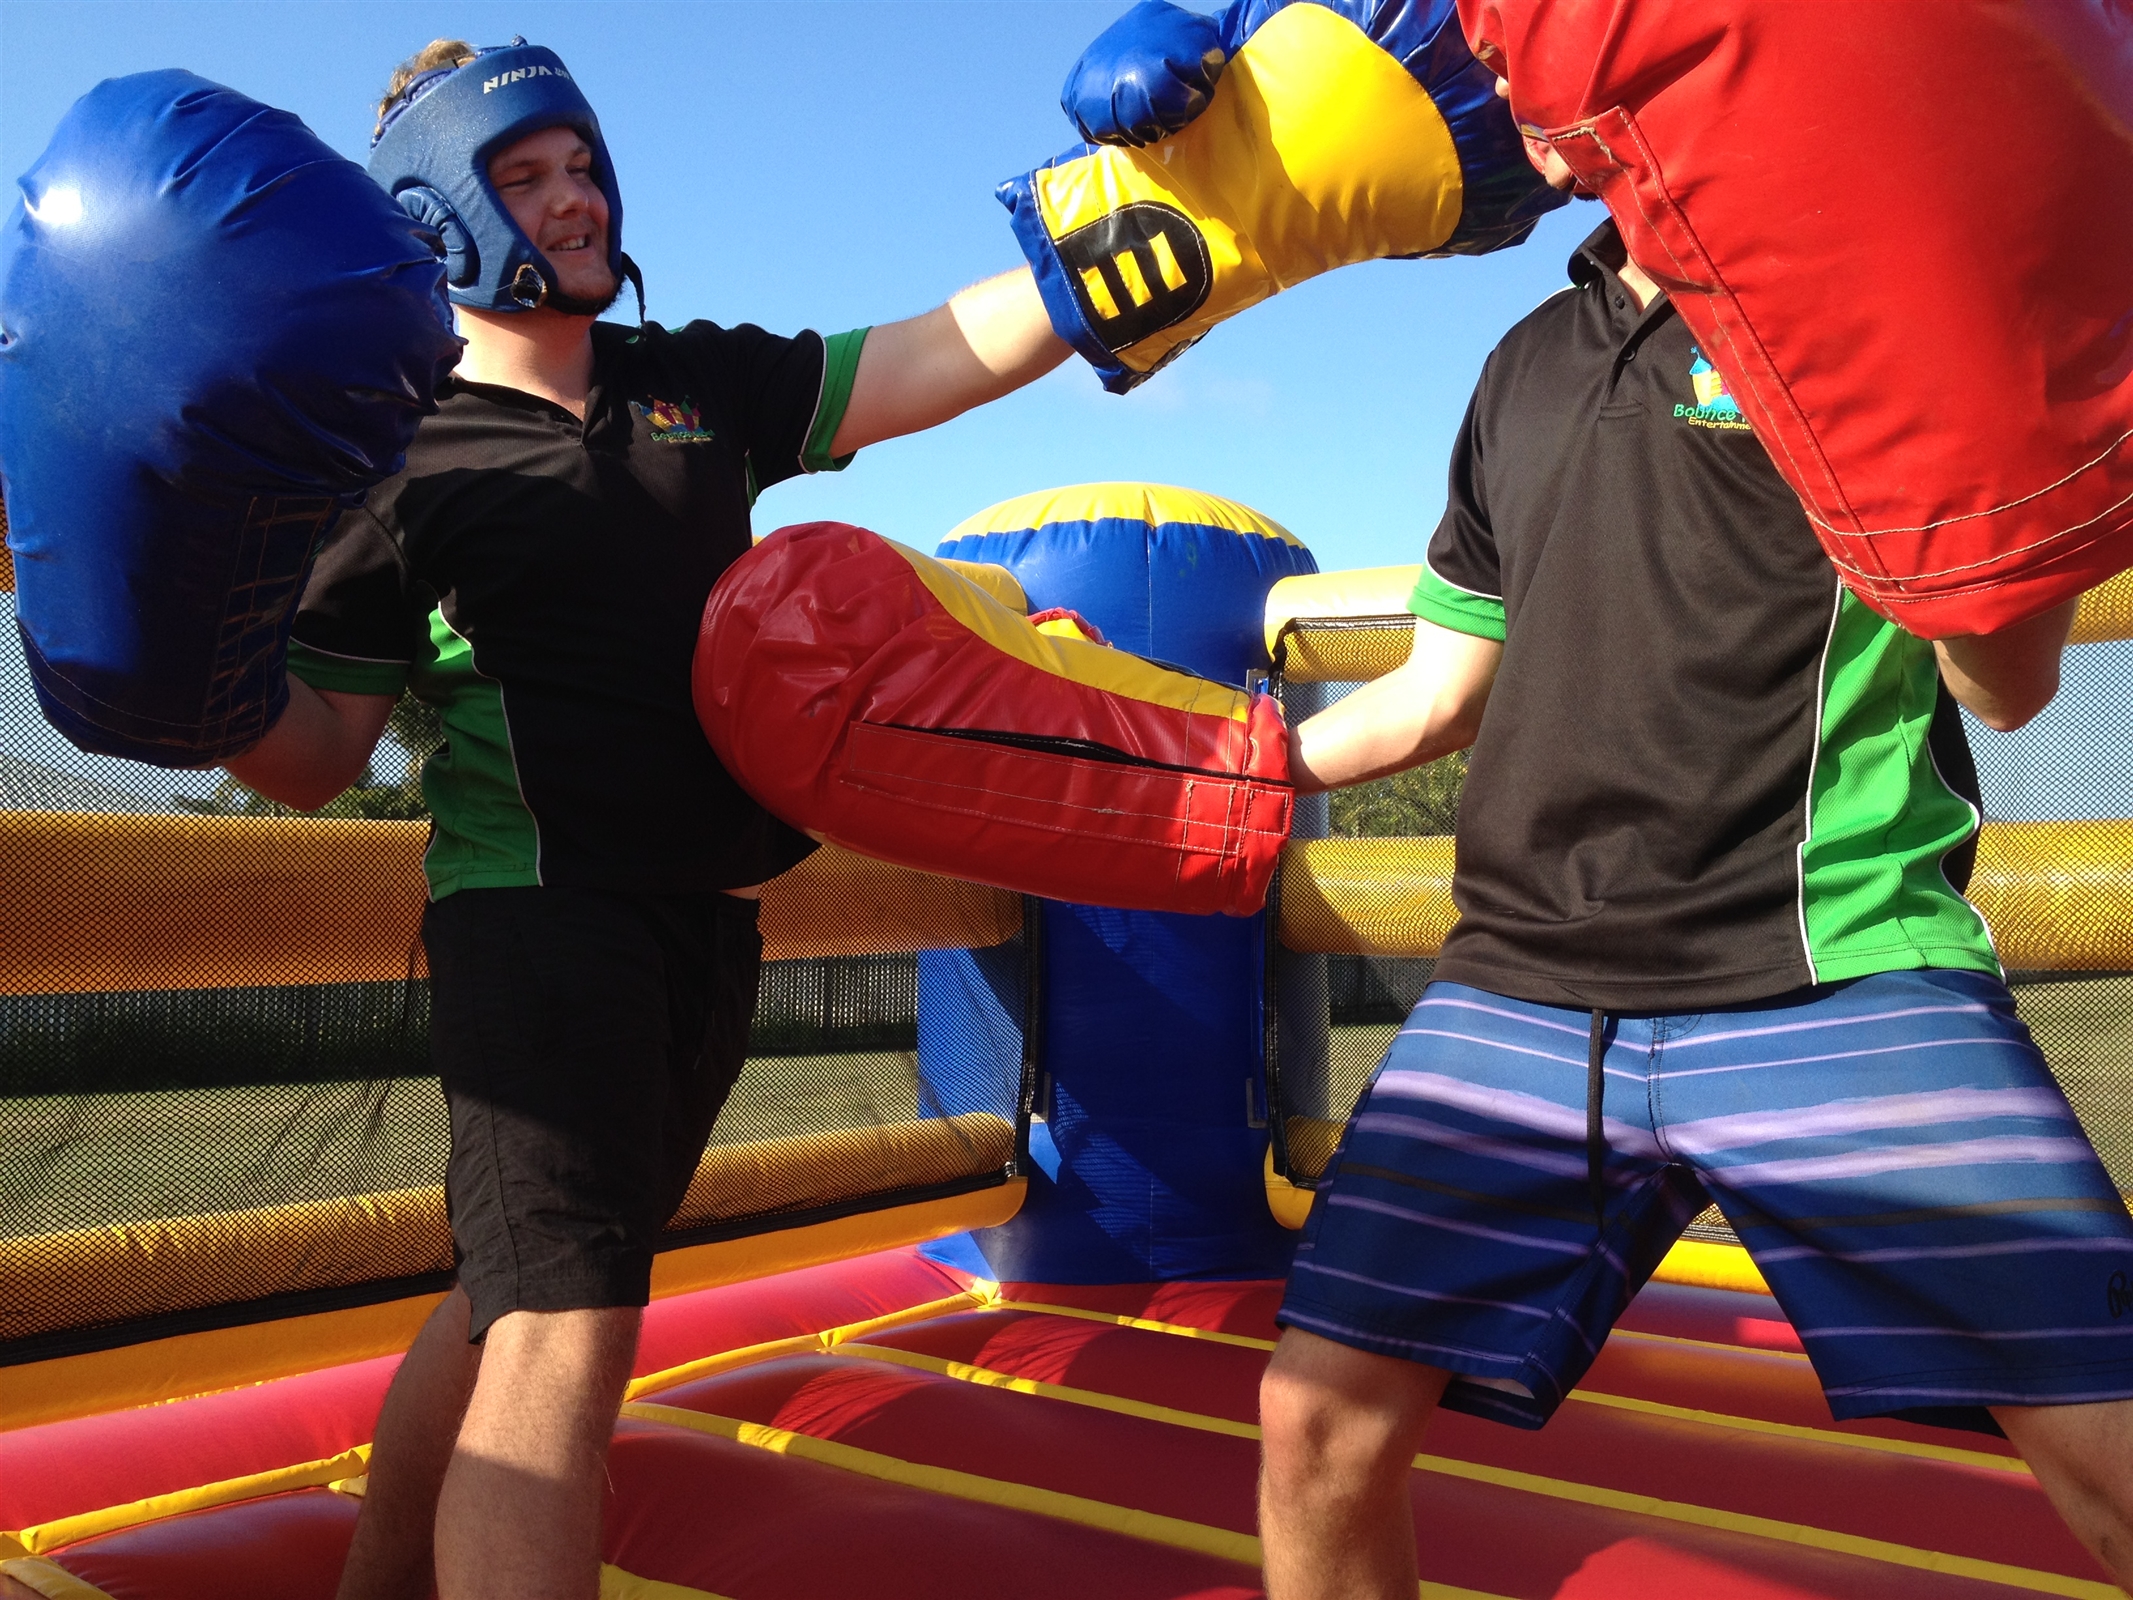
pixel 1340 132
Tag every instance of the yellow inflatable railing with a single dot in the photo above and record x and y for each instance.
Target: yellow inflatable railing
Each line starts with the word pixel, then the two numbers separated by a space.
pixel 99 903
pixel 1367 897
pixel 1341 627
pixel 398 1226
pixel 167 1264
pixel 2054 892
pixel 1347 627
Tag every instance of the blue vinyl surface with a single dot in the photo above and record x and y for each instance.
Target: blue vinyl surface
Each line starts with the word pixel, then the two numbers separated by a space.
pixel 217 333
pixel 1148 1160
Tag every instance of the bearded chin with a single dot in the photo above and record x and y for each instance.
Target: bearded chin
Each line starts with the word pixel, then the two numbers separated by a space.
pixel 576 305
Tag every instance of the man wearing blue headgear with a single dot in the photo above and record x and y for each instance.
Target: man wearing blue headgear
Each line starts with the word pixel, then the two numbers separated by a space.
pixel 537 572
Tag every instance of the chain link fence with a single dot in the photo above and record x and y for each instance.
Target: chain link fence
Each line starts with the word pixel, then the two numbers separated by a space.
pixel 216 1102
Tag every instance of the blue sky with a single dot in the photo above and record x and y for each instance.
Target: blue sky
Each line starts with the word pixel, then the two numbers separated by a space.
pixel 805 164
pixel 798 164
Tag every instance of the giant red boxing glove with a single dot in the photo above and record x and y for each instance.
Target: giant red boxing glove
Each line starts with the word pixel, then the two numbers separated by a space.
pixel 1903 232
pixel 872 697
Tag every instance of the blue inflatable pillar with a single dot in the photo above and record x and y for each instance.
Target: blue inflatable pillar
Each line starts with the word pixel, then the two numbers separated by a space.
pixel 1153 1135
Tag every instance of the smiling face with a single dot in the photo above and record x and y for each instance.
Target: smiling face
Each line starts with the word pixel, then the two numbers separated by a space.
pixel 545 181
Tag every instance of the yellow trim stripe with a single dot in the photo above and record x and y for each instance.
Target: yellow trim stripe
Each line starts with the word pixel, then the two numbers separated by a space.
pixel 92 1524
pixel 1611 1499
pixel 1098 1400
pixel 615 1584
pixel 1715 1419
pixel 979 1296
pixel 1180 1331
pixel 1173 1531
pixel 346 1472
pixel 1093 1399
pixel 190 1364
pixel 1073 658
pixel 1850 1544
pixel 232 1358
pixel 1176 1329
pixel 1704 1264
pixel 52 1582
pixel 1707 1344
pixel 1152 503
pixel 1793 1430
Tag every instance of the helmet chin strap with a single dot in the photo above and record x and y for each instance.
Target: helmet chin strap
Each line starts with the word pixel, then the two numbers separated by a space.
pixel 572 305
pixel 529 288
pixel 432 151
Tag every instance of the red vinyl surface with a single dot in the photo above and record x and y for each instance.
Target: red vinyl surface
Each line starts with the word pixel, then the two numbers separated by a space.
pixel 285 1547
pixel 797 1530
pixel 1576 1511
pixel 849 698
pixel 689 1326
pixel 1903 234
pixel 64 1468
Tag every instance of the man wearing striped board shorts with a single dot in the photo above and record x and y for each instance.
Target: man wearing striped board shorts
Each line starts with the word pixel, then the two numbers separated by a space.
pixel 1712 946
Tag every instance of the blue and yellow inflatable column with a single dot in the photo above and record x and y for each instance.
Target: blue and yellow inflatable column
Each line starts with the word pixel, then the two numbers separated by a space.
pixel 1151 1146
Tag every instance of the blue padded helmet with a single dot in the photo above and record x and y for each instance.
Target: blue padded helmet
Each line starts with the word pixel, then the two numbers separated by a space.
pixel 432 151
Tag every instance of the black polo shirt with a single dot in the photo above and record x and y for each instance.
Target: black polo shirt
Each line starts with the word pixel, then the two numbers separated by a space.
pixel 1705 773
pixel 542 582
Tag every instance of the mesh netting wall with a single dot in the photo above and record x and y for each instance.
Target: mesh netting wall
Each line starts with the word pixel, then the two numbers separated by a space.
pixel 216 1103
pixel 2060 901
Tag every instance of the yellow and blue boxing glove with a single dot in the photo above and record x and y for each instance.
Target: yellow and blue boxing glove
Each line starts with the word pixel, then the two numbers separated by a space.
pixel 1233 155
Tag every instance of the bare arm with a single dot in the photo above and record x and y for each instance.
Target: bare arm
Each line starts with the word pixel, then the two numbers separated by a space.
pixel 317 748
pixel 2006 678
pixel 985 342
pixel 1426 708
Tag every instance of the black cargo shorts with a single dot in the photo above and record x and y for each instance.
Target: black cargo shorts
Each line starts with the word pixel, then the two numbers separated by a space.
pixel 586 1041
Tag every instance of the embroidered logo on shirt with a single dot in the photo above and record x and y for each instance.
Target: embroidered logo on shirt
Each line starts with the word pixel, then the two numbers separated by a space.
pixel 1715 407
pixel 673 423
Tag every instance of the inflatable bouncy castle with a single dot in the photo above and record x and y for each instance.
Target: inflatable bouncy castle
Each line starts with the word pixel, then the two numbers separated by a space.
pixel 974 1285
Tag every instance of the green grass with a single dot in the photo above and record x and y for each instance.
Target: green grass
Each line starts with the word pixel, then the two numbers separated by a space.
pixel 81 1161
pixel 94 1160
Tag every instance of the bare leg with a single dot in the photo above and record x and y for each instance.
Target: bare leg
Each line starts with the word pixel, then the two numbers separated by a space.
pixel 1341 1428
pixel 390 1558
pixel 2083 1456
pixel 519 1518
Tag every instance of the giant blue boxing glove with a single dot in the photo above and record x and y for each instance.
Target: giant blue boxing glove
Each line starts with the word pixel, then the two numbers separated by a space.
pixel 1339 131
pixel 1146 76
pixel 215 332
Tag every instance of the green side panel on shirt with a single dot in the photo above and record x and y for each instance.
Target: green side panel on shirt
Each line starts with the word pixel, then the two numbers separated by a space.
pixel 1880 818
pixel 840 365
pixel 485 837
pixel 1436 601
pixel 345 674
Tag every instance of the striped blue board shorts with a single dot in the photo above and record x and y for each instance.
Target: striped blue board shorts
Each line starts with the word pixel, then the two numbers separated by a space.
pixel 1893 1152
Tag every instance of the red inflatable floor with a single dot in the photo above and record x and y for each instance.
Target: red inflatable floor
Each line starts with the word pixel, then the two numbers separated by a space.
pixel 883 1427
